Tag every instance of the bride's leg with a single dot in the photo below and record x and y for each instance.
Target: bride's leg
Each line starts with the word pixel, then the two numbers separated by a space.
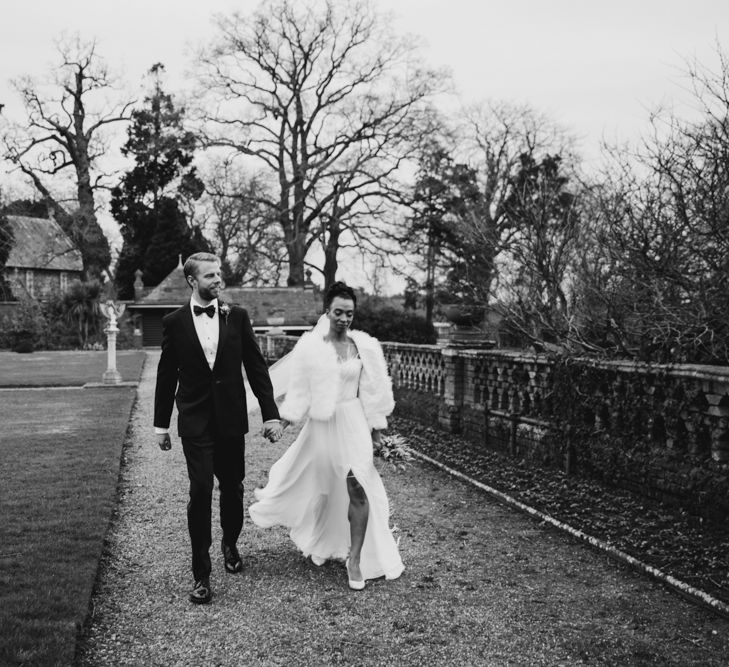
pixel 359 510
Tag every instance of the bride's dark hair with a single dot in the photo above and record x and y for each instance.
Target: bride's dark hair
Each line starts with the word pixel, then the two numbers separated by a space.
pixel 339 289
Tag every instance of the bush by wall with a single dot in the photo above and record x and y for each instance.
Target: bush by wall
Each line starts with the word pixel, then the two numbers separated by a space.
pixel 391 324
pixel 27 324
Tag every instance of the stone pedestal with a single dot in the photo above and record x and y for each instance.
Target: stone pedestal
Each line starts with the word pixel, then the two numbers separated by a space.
pixel 111 374
pixel 464 331
pixel 112 312
pixel 468 337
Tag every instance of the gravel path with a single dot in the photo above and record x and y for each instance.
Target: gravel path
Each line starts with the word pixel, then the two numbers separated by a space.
pixel 483 585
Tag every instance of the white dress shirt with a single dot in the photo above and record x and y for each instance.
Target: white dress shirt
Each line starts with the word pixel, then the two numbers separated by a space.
pixel 207 331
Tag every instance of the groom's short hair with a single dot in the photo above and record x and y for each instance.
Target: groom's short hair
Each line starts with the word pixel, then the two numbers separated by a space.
pixel 192 263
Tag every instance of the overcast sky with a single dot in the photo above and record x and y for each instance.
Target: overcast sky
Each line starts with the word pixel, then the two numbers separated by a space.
pixel 596 67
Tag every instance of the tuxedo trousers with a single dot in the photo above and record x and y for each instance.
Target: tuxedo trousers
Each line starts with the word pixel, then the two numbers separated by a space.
pixel 210 456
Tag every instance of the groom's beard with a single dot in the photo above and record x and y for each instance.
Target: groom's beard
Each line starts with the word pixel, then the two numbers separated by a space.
pixel 209 293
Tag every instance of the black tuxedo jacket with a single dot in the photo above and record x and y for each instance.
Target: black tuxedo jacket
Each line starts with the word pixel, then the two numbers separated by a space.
pixel 202 394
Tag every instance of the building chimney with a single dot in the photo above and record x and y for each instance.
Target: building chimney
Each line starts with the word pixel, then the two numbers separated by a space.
pixel 138 285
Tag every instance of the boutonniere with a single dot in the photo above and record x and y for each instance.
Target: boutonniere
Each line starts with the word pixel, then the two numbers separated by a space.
pixel 224 311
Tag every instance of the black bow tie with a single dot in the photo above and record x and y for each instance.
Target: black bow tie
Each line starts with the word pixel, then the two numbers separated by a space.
pixel 208 310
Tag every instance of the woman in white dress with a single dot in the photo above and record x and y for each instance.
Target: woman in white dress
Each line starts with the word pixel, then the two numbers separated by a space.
pixel 325 487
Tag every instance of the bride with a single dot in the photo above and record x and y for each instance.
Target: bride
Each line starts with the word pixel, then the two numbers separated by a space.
pixel 325 487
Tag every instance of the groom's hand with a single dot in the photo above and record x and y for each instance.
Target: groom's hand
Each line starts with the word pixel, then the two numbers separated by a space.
pixel 164 442
pixel 273 430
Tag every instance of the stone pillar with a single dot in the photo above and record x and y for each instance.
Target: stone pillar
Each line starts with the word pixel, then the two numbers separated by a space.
pixel 394 369
pixel 450 414
pixel 111 311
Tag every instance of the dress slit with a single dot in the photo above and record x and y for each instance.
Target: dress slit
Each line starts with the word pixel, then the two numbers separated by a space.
pixel 307 487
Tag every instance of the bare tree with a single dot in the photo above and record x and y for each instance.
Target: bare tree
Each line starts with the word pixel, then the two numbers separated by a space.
pixel 323 100
pixel 239 222
pixel 496 138
pixel 652 280
pixel 63 132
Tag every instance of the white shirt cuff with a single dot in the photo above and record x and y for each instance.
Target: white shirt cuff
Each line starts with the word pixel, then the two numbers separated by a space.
pixel 160 431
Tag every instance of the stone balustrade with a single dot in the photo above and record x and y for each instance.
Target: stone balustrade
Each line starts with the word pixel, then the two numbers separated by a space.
pixel 658 429
pixel 420 378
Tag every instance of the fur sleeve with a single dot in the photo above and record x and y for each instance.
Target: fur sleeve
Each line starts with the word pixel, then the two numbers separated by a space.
pixel 376 386
pixel 314 382
pixel 298 397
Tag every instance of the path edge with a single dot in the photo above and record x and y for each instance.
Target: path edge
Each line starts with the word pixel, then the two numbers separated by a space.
pixel 82 628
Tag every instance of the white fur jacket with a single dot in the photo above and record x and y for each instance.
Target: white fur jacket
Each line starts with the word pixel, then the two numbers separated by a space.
pixel 314 382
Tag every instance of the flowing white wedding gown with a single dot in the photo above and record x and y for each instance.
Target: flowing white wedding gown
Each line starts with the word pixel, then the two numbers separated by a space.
pixel 307 487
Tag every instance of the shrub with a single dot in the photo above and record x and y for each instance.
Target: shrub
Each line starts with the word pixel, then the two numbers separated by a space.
pixel 59 333
pixel 26 326
pixel 391 324
pixel 81 303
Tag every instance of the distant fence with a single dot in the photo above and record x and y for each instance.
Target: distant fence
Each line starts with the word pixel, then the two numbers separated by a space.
pixel 658 429
pixel 276 346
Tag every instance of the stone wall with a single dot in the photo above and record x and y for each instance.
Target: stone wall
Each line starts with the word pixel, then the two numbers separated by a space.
pixel 40 284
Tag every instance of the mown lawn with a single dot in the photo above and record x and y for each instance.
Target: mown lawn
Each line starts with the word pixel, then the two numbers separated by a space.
pixel 64 369
pixel 60 452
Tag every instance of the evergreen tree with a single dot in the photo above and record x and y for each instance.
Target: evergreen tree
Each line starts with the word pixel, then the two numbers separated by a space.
pixel 546 219
pixel 149 201
pixel 446 193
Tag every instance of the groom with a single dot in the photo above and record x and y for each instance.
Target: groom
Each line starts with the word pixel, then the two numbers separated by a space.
pixel 204 344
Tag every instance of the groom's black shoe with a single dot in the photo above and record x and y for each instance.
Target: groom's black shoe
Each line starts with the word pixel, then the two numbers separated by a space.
pixel 201 593
pixel 231 558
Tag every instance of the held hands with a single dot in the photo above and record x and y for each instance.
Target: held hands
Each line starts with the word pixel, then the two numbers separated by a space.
pixel 164 441
pixel 273 430
pixel 376 436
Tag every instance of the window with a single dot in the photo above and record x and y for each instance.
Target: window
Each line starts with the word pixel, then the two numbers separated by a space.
pixel 29 285
pixel 64 281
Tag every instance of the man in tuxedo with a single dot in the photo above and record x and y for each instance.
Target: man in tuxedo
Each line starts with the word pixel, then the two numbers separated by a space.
pixel 204 344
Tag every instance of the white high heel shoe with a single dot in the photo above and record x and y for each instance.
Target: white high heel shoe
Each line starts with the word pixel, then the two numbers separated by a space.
pixel 353 584
pixel 318 561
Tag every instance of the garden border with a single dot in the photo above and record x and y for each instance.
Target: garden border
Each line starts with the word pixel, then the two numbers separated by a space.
pixel 682 588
